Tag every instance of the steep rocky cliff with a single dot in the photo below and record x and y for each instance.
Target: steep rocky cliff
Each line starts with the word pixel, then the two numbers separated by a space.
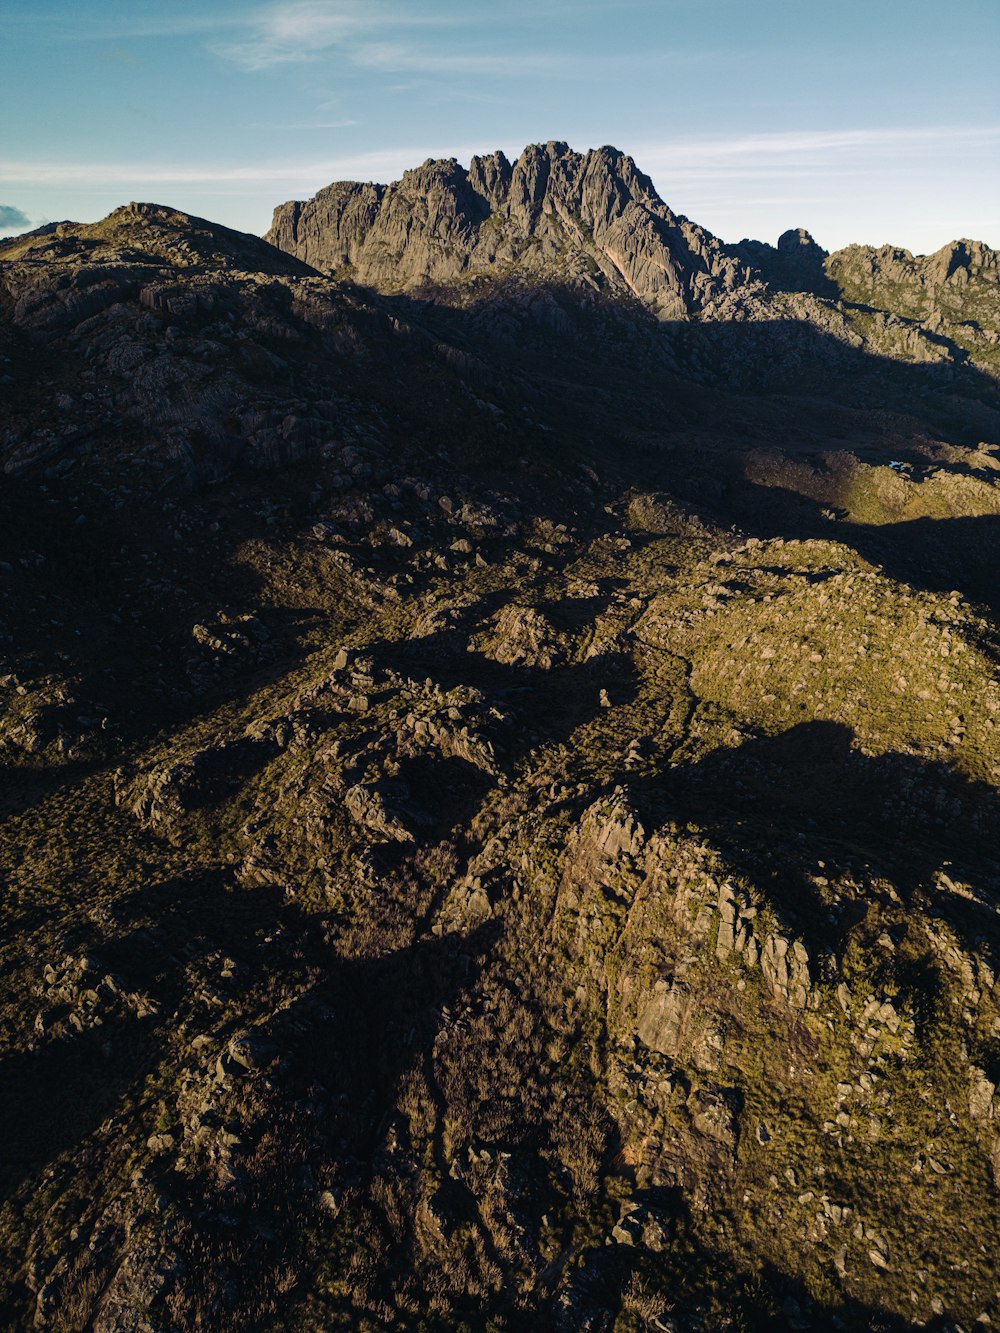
pixel 591 218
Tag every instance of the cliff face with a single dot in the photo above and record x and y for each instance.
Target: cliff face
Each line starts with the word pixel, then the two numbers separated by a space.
pixel 590 218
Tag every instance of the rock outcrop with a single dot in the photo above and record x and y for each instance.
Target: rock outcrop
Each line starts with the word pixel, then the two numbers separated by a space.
pixel 795 264
pixel 559 223
pixel 913 284
pixel 592 219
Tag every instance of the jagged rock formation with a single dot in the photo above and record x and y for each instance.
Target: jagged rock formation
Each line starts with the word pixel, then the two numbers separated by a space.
pixel 593 222
pixel 591 218
pixel 953 294
pixel 961 274
pixel 499 791
pixel 795 264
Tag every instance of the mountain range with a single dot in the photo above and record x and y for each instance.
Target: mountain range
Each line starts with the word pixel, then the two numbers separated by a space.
pixel 499 764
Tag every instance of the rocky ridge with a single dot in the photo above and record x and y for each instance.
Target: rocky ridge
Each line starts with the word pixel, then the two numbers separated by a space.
pixel 591 219
pixel 593 222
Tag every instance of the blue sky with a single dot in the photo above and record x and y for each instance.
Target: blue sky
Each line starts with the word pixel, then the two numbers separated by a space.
pixel 868 120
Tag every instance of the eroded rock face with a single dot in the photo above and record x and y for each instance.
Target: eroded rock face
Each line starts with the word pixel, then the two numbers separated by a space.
pixel 664 1018
pixel 592 218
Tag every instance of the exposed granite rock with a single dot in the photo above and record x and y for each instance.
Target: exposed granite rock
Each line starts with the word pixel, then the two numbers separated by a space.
pixel 871 273
pixel 591 218
pixel 715 1114
pixel 558 222
pixel 665 1017
pixel 947 304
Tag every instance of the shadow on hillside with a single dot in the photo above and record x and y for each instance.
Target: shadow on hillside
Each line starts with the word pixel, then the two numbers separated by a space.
pixel 675 406
pixel 327 1123
pixel 941 555
pixel 90 617
pixel 798 268
pixel 610 382
pixel 551 329
pixel 53 1097
pixel 938 554
pixel 760 1301
pixel 544 704
pixel 807 803
pixel 336 1035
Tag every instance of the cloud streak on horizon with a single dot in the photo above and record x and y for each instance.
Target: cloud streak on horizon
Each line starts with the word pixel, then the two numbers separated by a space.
pixel 783 144
pixel 112 173
pixel 801 152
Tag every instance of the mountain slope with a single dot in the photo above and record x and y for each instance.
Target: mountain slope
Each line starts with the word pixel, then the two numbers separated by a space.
pixel 498 787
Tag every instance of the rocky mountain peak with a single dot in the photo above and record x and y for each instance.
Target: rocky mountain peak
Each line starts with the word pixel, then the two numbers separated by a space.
pixel 590 219
pixel 150 234
pixel 797 242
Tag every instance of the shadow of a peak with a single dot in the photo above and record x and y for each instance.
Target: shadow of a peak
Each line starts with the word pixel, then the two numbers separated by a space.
pixel 785 806
pixel 939 554
pixel 617 349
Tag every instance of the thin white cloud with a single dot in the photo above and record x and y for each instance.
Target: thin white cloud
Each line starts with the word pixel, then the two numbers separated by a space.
pixel 399 58
pixel 847 185
pixel 374 35
pixel 791 147
pixel 803 153
pixel 294 32
pixel 302 30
